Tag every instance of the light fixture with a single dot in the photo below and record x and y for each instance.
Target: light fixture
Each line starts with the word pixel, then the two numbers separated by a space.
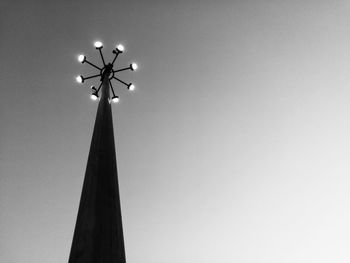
pixel 115 99
pixel 79 79
pixel 81 58
pixel 120 48
pixel 133 66
pixel 98 44
pixel 106 73
pixel 131 87
pixel 94 96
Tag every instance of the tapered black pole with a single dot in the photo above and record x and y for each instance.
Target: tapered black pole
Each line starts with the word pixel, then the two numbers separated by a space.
pixel 98 235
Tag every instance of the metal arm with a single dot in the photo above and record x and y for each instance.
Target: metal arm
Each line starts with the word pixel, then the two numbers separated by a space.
pixel 121 69
pixel 92 64
pixel 99 88
pixel 116 55
pixel 103 60
pixel 110 83
pixel 94 76
pixel 126 84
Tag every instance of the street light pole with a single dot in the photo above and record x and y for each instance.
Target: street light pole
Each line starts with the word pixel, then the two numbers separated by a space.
pixel 98 235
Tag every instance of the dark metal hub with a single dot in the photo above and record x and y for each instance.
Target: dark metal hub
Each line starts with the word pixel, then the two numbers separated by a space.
pixel 106 71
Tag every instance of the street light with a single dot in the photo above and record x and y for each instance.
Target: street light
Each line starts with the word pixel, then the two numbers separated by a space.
pixel 94 96
pixel 98 233
pixel 106 72
pixel 131 87
pixel 79 79
pixel 120 48
pixel 81 58
pixel 115 99
pixel 98 44
pixel 133 66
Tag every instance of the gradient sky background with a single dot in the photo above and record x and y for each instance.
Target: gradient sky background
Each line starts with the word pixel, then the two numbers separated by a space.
pixel 235 146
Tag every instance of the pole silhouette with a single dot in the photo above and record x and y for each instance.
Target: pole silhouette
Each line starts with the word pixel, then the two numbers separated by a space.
pixel 98 235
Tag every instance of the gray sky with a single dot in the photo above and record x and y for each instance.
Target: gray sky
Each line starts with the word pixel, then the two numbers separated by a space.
pixel 235 146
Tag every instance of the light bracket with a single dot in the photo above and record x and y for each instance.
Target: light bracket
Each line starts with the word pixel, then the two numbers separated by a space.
pixel 106 69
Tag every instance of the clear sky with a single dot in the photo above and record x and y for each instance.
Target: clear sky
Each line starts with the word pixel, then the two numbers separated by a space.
pixel 235 146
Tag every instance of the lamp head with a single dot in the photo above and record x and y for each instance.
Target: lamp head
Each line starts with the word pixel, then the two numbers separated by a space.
pixel 133 66
pixel 79 79
pixel 131 87
pixel 81 58
pixel 115 99
pixel 120 48
pixel 94 96
pixel 98 44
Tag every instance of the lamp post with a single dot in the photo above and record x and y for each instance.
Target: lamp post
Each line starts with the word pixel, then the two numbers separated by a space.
pixel 98 235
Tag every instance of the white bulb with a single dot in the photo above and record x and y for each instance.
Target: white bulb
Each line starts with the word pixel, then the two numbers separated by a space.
pixel 81 58
pixel 93 97
pixel 120 47
pixel 79 79
pixel 132 87
pixel 98 44
pixel 115 99
pixel 134 66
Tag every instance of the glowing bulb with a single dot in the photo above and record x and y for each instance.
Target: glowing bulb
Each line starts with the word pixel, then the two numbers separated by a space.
pixel 120 48
pixel 98 44
pixel 133 66
pixel 94 96
pixel 131 87
pixel 115 99
pixel 81 58
pixel 79 79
